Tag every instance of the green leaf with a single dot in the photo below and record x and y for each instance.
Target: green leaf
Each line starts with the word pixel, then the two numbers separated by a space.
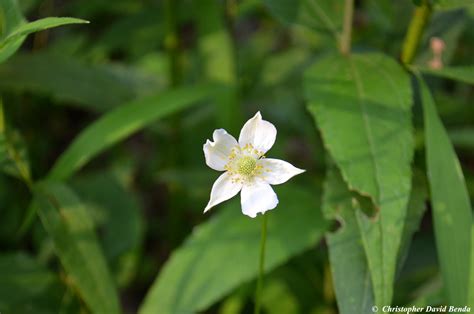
pixel 349 268
pixel 223 253
pixel 461 73
pixel 117 213
pixel 462 137
pixel 96 87
pixel 10 18
pixel 470 300
pixel 319 15
pixel 72 231
pixel 452 212
pixel 121 123
pixel 39 25
pixel 14 28
pixel 24 283
pixel 362 106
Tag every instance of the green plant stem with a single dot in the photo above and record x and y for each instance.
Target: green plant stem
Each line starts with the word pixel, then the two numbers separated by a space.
pixel 418 22
pixel 345 45
pixel 261 267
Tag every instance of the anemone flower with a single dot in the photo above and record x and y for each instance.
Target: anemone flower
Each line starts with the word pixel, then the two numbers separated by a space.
pixel 246 169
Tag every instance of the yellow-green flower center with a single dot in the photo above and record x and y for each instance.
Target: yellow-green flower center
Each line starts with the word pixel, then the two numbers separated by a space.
pixel 246 165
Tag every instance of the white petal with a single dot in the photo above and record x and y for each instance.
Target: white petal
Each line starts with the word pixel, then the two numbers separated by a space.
pixel 260 133
pixel 222 190
pixel 257 198
pixel 276 171
pixel 217 152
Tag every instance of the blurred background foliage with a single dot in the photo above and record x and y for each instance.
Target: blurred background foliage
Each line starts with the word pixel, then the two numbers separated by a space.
pixel 142 87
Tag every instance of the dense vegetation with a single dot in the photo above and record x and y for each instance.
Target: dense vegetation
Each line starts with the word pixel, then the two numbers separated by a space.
pixel 104 110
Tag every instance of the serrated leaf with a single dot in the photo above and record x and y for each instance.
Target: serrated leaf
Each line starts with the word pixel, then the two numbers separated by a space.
pixel 362 106
pixel 72 231
pixel 459 73
pixel 122 122
pixel 223 253
pixel 452 212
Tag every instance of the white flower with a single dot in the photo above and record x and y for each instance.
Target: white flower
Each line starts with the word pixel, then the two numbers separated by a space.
pixel 246 168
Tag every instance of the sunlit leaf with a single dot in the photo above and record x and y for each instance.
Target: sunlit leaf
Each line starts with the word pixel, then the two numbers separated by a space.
pixel 14 28
pixel 72 231
pixel 362 106
pixel 450 202
pixel 223 253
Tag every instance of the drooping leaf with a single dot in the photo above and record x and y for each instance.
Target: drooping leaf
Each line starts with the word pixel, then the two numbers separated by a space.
pixel 362 106
pixel 15 28
pixel 122 122
pixel 72 231
pixel 26 286
pixel 461 73
pixel 49 22
pixel 452 212
pixel 223 253
pixel 98 88
pixel 349 267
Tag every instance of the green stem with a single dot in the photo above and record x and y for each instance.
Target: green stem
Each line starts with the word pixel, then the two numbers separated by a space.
pixel 261 268
pixel 346 35
pixel 418 22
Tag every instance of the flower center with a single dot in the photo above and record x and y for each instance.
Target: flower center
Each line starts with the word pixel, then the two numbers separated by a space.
pixel 246 165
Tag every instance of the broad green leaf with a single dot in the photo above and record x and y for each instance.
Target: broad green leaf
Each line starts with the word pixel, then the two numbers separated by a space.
pixel 362 106
pixel 27 285
pixel 72 231
pixel 459 73
pixel 222 253
pixel 121 123
pixel 452 212
pixel 349 268
pixel 96 87
pixel 320 15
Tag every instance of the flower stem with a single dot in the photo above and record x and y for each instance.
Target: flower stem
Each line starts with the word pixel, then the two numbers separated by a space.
pixel 345 45
pixel 418 22
pixel 263 240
